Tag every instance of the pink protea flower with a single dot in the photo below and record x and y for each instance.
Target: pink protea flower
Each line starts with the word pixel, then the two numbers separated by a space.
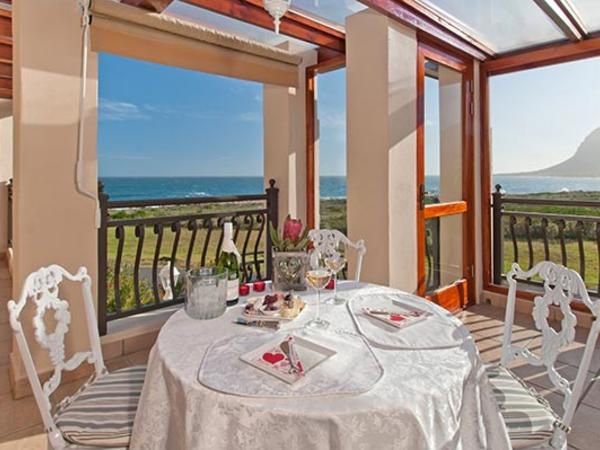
pixel 292 229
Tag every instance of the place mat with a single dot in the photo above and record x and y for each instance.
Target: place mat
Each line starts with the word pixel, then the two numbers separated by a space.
pixel 353 369
pixel 438 330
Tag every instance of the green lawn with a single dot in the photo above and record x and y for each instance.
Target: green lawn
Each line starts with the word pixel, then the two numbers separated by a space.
pixel 333 215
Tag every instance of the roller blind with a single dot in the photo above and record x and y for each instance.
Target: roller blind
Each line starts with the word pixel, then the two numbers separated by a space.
pixel 164 39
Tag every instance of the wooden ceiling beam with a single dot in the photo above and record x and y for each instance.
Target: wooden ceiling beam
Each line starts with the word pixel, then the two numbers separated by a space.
pixel 401 12
pixel 569 10
pixel 562 22
pixel 545 56
pixel 151 5
pixel 293 24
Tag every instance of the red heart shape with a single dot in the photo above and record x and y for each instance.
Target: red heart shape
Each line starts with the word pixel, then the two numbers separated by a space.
pixel 397 317
pixel 272 358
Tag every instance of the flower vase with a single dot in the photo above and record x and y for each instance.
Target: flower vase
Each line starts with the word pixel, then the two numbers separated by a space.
pixel 289 271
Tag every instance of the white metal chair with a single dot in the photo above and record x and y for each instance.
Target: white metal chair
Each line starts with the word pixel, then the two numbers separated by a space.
pixel 101 413
pixel 326 242
pixel 530 421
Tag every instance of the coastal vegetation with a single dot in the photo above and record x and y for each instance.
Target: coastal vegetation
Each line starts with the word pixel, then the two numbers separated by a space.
pixel 333 215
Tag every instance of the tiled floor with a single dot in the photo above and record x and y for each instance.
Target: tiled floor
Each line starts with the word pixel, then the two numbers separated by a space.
pixel 20 426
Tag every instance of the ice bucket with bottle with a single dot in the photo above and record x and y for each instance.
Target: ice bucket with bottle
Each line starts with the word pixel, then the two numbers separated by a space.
pixel 205 293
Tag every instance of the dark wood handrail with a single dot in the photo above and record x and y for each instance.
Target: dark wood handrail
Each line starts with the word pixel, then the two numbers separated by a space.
pixel 577 234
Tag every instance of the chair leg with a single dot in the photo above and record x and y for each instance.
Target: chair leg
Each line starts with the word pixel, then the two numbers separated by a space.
pixel 559 440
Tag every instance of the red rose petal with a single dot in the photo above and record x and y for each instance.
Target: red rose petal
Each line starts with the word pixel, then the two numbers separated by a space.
pixel 397 317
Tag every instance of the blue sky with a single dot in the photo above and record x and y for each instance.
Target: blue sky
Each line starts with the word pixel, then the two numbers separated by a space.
pixel 175 122
pixel 164 121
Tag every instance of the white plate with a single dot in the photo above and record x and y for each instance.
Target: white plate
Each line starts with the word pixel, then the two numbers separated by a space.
pixel 270 359
pixel 276 317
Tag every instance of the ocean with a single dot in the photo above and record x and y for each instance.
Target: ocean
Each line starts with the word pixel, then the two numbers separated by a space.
pixel 138 188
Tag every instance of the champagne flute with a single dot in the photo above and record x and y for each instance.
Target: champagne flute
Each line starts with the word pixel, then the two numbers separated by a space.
pixel 318 278
pixel 335 262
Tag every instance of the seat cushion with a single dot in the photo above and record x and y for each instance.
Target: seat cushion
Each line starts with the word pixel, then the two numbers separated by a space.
pixel 102 414
pixel 527 420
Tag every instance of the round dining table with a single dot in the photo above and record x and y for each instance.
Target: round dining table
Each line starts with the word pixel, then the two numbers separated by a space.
pixel 429 394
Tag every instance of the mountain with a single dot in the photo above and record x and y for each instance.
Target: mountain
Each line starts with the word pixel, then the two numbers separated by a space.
pixel 584 163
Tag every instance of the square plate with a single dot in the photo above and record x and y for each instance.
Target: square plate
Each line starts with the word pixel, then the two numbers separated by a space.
pixel 270 358
pixel 397 315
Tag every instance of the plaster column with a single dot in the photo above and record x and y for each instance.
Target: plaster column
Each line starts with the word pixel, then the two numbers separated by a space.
pixel 451 188
pixel 382 146
pixel 284 110
pixel 53 223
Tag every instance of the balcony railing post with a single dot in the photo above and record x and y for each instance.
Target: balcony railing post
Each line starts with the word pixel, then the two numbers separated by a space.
pixel 272 217
pixel 9 227
pixel 498 235
pixel 102 259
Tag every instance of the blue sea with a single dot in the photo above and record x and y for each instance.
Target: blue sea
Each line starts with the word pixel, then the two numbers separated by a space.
pixel 138 188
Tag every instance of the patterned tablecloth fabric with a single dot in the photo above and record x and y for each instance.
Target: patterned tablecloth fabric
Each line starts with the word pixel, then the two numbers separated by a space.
pixel 433 398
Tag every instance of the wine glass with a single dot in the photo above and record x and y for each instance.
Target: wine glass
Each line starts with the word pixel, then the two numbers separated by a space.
pixel 318 277
pixel 335 262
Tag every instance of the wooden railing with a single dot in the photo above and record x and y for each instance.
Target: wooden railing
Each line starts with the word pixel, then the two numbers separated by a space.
pixel 145 246
pixel 527 231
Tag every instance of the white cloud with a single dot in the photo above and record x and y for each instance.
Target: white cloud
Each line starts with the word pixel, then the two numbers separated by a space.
pixel 334 120
pixel 116 156
pixel 119 111
pixel 250 116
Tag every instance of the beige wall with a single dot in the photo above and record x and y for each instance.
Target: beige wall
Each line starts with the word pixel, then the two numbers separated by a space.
pixel 285 138
pixel 6 166
pixel 381 111
pixel 52 222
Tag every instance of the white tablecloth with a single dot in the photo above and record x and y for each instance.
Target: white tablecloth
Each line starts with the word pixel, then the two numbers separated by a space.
pixel 426 399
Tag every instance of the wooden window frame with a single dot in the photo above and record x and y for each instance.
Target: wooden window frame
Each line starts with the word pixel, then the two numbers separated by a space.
pixel 549 55
pixel 311 129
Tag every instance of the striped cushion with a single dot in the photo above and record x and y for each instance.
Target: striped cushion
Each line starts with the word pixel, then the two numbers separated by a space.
pixel 528 421
pixel 102 414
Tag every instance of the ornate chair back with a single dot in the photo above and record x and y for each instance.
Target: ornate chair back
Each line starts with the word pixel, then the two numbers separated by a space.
pixel 327 242
pixel 42 287
pixel 561 286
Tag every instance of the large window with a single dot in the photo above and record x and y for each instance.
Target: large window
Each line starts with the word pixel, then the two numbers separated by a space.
pixel 185 127
pixel 545 157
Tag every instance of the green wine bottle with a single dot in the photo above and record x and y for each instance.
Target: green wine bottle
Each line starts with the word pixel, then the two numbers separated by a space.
pixel 230 259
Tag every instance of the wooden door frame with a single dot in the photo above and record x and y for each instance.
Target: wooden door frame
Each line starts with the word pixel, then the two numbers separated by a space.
pixel 311 129
pixel 429 50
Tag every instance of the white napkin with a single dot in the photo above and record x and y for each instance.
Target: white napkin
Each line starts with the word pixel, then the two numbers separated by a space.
pixel 439 330
pixel 354 369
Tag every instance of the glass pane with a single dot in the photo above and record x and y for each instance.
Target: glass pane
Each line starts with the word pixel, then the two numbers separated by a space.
pixel 334 11
pixel 443 133
pixel 503 24
pixel 542 152
pixel 589 12
pixel 330 147
pixel 443 251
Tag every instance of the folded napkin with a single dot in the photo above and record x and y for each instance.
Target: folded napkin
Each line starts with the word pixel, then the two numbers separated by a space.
pixel 422 325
